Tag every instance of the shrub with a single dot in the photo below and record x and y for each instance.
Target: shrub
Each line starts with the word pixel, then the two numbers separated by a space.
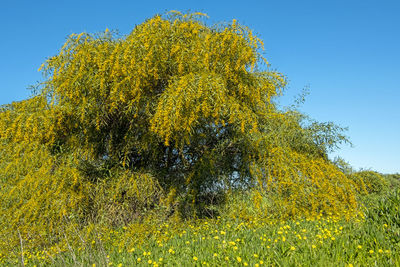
pixel 369 181
pixel 161 118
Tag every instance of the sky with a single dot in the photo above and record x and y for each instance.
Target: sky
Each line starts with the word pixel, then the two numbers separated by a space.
pixel 346 52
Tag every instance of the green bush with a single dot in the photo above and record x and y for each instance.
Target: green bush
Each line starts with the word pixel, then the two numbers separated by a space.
pixel 393 180
pixel 369 182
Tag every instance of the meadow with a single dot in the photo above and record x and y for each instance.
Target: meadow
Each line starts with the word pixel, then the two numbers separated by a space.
pixel 166 147
pixel 372 238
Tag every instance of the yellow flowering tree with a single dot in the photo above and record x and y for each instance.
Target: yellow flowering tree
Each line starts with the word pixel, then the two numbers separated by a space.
pixel 174 110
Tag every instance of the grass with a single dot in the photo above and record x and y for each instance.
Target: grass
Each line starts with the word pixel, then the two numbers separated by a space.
pixel 369 240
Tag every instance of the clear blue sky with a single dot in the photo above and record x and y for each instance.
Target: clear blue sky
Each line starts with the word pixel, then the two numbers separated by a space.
pixel 348 52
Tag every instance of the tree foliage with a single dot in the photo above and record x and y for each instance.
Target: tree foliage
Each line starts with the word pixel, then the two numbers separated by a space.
pixel 171 112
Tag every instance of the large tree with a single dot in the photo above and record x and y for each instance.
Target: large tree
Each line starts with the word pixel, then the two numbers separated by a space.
pixel 174 110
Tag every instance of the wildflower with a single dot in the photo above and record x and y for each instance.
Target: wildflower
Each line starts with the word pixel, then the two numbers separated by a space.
pixel 215 255
pixel 292 248
pixel 371 252
pixel 195 258
pixel 239 259
pixel 261 262
pixel 149 261
pixel 255 255
pixel 380 251
pixel 359 246
pixel 313 246
pixel 139 259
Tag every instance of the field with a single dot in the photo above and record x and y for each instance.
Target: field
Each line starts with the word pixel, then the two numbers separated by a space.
pixel 370 239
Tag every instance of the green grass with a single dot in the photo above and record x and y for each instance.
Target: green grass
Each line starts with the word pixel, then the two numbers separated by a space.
pixel 324 241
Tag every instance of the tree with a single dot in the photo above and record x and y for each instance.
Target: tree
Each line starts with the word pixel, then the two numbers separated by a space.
pixel 171 112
